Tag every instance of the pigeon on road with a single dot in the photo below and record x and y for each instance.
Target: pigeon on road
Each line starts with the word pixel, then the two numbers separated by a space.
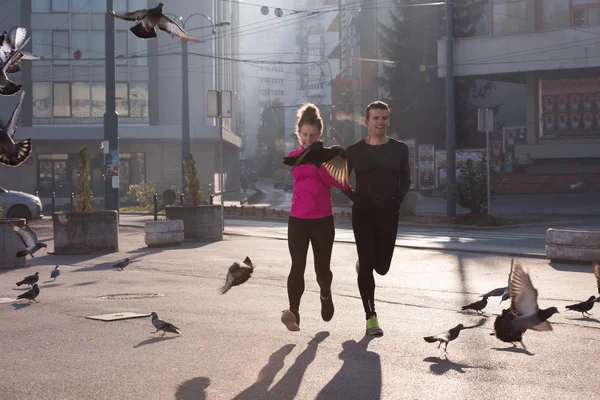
pixel 31 294
pixel 55 273
pixel 122 264
pixel 450 335
pixel 147 21
pixel 524 309
pixel 161 325
pixel 333 158
pixel 29 239
pixel 477 306
pixel 30 280
pixel 237 274
pixel 11 153
pixel 583 307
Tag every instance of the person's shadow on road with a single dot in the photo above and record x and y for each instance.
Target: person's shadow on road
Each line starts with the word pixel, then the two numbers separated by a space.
pixel 360 375
pixel 288 385
pixel 193 389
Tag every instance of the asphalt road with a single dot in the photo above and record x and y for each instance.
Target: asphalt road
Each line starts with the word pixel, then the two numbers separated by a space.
pixel 234 346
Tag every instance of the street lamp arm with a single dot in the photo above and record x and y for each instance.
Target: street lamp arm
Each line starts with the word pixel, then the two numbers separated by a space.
pixel 214 31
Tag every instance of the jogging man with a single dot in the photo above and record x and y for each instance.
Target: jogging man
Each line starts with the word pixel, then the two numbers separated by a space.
pixel 382 181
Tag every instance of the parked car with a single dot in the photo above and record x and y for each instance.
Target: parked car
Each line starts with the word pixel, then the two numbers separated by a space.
pixel 20 205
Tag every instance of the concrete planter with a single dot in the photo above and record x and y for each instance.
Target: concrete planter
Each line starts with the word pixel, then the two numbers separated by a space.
pixel 10 243
pixel 86 233
pixel 163 233
pixel 200 223
pixel 572 245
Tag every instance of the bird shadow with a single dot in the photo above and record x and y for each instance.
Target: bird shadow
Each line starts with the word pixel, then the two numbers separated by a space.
pixel 99 267
pixel 192 389
pixel 360 374
pixel 18 306
pixel 440 366
pixel 587 319
pixel 22 289
pixel 267 374
pixel 154 340
pixel 51 284
pixel 289 384
pixel 518 350
pixel 85 283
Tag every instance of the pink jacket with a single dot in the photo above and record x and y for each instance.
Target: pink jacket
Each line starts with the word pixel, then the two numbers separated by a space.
pixel 312 190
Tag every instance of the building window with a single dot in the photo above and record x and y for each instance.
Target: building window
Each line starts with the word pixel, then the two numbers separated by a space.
pixel 40 6
pixel 132 170
pixel 60 6
pixel 122 98
pixel 585 13
pixel 138 98
pixel 60 47
pixel 80 99
pixel 62 99
pixel 513 16
pixel 98 99
pixel 42 45
pixel 137 47
pixel 555 14
pixel 80 40
pixel 121 47
pixel 98 43
pixel 52 175
pixel 80 6
pixel 42 100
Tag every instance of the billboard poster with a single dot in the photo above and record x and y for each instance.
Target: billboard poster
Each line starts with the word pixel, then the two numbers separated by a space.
pixel 570 108
pixel 412 144
pixel 440 164
pixel 426 166
pixel 513 135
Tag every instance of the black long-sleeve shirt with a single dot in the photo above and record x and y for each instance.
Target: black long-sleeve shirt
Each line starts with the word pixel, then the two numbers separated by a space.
pixel 382 172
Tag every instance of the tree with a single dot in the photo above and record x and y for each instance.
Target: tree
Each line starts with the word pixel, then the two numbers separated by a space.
pixel 86 198
pixel 193 188
pixel 271 134
pixel 417 95
pixel 471 186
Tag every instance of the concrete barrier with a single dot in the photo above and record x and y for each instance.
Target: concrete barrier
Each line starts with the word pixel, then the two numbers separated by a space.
pixel 164 233
pixel 86 233
pixel 10 243
pixel 200 223
pixel 573 245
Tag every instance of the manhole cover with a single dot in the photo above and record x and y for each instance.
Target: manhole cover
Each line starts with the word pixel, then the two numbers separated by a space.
pixel 127 296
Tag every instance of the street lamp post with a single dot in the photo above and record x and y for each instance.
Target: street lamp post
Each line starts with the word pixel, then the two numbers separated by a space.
pixel 185 93
pixel 111 118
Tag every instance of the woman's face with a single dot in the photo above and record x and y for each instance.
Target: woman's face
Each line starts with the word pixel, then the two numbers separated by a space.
pixel 308 134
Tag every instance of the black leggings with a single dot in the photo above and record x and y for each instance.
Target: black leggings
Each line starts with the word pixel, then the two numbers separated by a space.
pixel 375 231
pixel 320 233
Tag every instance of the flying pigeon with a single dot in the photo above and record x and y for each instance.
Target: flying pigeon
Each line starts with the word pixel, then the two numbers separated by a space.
pixel 504 328
pixel 477 306
pixel 596 267
pixel 237 274
pixel 30 280
pixel 333 158
pixel 147 21
pixel 8 87
pixel 11 153
pixel 524 307
pixel 55 273
pixel 161 325
pixel 11 41
pixel 30 240
pixel 122 264
pixel 31 294
pixel 583 307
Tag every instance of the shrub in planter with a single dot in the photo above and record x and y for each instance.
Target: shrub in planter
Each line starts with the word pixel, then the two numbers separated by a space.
pixel 194 189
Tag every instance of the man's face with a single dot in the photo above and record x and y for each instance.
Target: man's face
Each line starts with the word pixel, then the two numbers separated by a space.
pixel 378 122
pixel 308 135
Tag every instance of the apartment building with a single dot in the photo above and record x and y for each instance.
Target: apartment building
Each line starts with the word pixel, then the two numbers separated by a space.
pixel 65 96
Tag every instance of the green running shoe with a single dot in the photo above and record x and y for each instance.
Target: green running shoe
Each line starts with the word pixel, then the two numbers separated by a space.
pixel 356 266
pixel 373 327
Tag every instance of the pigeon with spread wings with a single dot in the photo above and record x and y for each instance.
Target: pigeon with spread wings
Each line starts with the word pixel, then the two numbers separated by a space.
pixel 30 240
pixel 8 87
pixel 237 274
pixel 149 19
pixel 11 153
pixel 524 312
pixel 11 41
pixel 333 158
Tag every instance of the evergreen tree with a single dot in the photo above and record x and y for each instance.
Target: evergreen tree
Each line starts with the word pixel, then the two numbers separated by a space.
pixel 194 189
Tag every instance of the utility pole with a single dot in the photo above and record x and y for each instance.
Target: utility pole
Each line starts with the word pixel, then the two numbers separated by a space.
pixel 111 118
pixel 450 113
pixel 185 111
